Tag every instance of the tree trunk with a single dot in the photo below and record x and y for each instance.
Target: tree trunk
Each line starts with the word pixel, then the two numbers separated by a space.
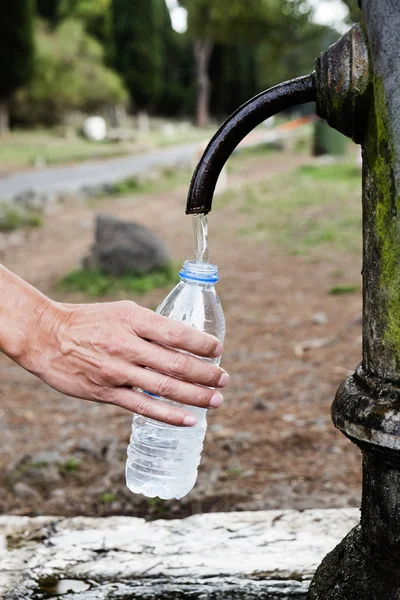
pixel 202 52
pixel 4 118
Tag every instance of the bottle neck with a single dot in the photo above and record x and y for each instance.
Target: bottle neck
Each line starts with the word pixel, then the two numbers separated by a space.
pixel 199 273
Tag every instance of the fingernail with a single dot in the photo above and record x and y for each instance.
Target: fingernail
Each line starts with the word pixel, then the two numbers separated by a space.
pixel 223 380
pixel 218 350
pixel 216 400
pixel 189 421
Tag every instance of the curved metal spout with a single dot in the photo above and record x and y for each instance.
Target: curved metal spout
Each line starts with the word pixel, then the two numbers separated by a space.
pixel 234 130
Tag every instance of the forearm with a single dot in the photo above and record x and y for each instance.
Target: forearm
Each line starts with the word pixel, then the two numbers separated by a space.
pixel 22 308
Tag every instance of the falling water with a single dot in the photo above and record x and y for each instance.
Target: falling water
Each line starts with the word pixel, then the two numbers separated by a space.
pixel 200 227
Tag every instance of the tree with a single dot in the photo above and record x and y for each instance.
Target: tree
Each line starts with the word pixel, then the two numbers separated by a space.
pixel 225 22
pixel 264 24
pixel 48 9
pixel 94 14
pixel 16 52
pixel 177 71
pixel 137 48
pixel 303 42
pixel 68 74
pixel 233 73
pixel 354 11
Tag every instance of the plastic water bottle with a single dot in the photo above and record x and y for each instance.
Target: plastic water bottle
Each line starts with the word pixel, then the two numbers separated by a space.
pixel 163 459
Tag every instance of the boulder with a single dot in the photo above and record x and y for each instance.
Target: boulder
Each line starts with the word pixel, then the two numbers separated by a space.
pixel 123 247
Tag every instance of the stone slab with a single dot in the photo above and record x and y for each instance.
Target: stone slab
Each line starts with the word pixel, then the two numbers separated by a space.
pixel 265 555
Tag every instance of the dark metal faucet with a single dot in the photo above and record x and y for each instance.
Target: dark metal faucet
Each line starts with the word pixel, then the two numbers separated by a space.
pixel 356 87
pixel 235 129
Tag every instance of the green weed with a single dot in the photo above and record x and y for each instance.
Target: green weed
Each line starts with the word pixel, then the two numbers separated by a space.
pixel 338 290
pixel 70 465
pixel 233 473
pixel 12 218
pixel 108 497
pixel 96 283
pixel 165 180
pixel 158 507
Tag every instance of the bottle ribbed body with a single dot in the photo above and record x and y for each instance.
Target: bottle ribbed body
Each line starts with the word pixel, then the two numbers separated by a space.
pixel 163 459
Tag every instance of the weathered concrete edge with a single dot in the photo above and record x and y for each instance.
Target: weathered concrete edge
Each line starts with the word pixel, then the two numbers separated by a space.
pixel 266 552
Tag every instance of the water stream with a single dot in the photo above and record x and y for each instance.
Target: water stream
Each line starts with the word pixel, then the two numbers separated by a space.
pixel 200 228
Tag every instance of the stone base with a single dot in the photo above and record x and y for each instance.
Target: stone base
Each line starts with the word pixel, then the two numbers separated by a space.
pixel 350 571
pixel 266 555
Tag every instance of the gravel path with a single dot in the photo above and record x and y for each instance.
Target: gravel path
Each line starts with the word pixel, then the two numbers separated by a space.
pixel 73 178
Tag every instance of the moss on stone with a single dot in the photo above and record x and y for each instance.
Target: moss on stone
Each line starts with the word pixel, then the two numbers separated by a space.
pixel 380 157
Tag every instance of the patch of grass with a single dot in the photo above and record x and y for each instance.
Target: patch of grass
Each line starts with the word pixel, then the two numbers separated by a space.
pixel 336 171
pixel 306 208
pixel 126 186
pixel 162 181
pixel 71 465
pixel 108 497
pixel 12 218
pixel 158 507
pixel 344 289
pixel 96 283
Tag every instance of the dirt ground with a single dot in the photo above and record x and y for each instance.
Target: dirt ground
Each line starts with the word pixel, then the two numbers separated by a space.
pixel 272 444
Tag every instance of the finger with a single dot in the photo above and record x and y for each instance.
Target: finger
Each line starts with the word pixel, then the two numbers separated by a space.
pixel 150 325
pixel 178 364
pixel 144 405
pixel 172 388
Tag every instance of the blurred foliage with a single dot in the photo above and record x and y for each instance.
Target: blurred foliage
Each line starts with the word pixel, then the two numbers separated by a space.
pixel 16 45
pixel 243 47
pixel 230 22
pixel 354 11
pixel 13 218
pixel 256 44
pixel 137 34
pixel 68 74
pixel 93 14
pixel 48 9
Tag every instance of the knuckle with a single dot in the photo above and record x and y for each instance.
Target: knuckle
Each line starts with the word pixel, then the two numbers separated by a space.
pixel 179 363
pixel 104 394
pixel 112 347
pixel 171 338
pixel 209 345
pixel 213 376
pixel 111 373
pixel 177 335
pixel 203 398
pixel 137 316
pixel 166 387
pixel 170 418
pixel 142 407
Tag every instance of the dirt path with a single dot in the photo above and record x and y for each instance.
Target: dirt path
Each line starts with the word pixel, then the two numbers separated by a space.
pixel 272 445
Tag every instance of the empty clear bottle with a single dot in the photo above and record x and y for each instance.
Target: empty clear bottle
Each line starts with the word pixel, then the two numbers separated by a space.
pixel 163 459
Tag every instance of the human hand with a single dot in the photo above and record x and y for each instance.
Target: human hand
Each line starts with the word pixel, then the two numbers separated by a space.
pixel 100 352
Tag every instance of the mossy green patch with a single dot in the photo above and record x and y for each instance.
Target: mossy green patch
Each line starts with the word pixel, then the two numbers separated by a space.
pixel 380 158
pixel 95 283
